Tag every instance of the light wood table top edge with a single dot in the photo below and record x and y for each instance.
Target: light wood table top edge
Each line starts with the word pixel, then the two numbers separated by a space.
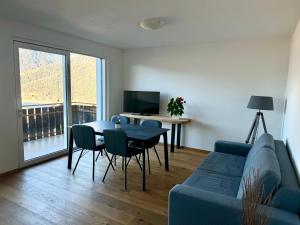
pixel 166 119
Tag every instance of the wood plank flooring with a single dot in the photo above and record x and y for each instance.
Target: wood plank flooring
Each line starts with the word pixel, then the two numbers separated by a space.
pixel 50 194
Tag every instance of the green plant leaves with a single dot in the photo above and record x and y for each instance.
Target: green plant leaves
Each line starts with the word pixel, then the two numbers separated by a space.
pixel 175 106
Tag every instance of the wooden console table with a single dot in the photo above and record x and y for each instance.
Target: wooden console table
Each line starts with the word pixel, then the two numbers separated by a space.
pixel 164 119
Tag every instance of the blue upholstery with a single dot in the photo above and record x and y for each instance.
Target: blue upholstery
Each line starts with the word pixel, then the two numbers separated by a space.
pixel 233 148
pixel 288 195
pixel 214 182
pixel 212 195
pixel 266 165
pixel 84 137
pixel 226 164
pixel 264 141
pixel 116 143
pixel 151 123
pixel 122 119
pixel 194 206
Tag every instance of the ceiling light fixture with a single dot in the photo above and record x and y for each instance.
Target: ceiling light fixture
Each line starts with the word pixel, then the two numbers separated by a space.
pixel 151 23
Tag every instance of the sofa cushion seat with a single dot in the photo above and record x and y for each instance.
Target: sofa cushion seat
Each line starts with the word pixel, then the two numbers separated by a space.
pixel 214 182
pixel 223 163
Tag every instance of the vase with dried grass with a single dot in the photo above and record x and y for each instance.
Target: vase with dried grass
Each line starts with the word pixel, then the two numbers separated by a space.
pixel 254 213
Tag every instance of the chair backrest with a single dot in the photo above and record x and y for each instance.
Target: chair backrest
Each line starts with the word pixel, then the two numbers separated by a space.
pixel 84 137
pixel 116 141
pixel 122 119
pixel 152 123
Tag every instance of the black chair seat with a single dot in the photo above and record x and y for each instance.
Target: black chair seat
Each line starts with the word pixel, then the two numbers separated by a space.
pixel 132 151
pixel 100 145
pixel 149 144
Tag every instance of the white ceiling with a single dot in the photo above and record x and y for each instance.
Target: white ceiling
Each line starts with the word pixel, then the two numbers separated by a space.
pixel 114 22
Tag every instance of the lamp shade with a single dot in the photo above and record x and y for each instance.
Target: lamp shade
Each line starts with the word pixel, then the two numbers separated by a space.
pixel 261 103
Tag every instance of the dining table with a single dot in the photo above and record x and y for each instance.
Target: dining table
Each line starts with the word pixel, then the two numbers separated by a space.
pixel 135 133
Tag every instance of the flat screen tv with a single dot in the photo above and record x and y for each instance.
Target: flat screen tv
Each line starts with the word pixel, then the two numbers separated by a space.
pixel 141 102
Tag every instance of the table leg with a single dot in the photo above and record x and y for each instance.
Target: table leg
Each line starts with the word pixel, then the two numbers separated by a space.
pixel 165 135
pixel 173 137
pixel 178 135
pixel 144 170
pixel 70 154
pixel 136 121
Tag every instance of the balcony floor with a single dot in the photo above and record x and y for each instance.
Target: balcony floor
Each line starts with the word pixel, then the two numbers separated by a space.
pixel 44 146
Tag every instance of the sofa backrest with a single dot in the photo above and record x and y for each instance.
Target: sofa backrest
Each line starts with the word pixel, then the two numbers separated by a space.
pixel 262 161
pixel 264 141
pixel 288 195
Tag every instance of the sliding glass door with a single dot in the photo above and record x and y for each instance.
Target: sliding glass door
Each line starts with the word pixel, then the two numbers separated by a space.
pixel 42 102
pixel 55 88
pixel 87 88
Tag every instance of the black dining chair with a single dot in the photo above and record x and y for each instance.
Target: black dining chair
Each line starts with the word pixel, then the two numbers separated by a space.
pixel 115 118
pixel 84 137
pixel 151 144
pixel 121 119
pixel 116 143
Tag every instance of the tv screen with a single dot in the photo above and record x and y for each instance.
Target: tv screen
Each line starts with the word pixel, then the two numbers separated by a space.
pixel 143 102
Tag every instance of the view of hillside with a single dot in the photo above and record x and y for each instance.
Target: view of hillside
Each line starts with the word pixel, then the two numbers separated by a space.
pixel 42 78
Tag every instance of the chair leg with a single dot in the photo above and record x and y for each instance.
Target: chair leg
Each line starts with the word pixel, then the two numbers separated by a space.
pixel 138 161
pixel 123 163
pixel 157 155
pixel 128 161
pixel 115 160
pixel 110 160
pixel 93 165
pixel 78 161
pixel 125 174
pixel 110 164
pixel 100 152
pixel 148 161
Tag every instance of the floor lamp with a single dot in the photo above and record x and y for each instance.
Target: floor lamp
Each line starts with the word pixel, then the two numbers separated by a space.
pixel 260 103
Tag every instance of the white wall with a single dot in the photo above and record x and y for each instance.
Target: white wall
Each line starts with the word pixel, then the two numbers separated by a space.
pixel 292 117
pixel 8 32
pixel 217 80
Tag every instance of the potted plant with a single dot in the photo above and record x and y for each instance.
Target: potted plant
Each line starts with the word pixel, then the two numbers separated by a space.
pixel 118 123
pixel 175 106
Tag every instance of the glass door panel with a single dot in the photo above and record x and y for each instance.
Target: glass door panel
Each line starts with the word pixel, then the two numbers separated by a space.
pixel 86 88
pixel 43 101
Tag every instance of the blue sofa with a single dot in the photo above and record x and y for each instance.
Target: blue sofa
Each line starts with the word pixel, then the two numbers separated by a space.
pixel 213 194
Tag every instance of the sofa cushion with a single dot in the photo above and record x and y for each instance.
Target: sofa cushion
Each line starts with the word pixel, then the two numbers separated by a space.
pixel 264 141
pixel 265 164
pixel 214 182
pixel 223 163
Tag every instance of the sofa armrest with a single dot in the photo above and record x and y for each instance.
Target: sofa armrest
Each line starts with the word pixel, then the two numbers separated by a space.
pixel 234 148
pixel 193 206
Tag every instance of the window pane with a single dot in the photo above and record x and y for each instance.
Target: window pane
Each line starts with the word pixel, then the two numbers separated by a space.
pixel 83 88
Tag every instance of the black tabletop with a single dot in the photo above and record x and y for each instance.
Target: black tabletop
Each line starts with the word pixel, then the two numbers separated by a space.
pixel 134 132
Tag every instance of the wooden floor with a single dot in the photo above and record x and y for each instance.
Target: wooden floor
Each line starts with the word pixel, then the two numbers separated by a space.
pixel 50 194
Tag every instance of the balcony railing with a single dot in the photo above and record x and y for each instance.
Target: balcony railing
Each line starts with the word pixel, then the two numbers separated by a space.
pixel 40 121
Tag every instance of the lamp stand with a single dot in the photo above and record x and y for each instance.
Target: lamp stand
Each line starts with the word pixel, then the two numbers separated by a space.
pixel 254 127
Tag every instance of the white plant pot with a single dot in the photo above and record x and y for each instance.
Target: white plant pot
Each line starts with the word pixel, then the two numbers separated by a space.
pixel 176 117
